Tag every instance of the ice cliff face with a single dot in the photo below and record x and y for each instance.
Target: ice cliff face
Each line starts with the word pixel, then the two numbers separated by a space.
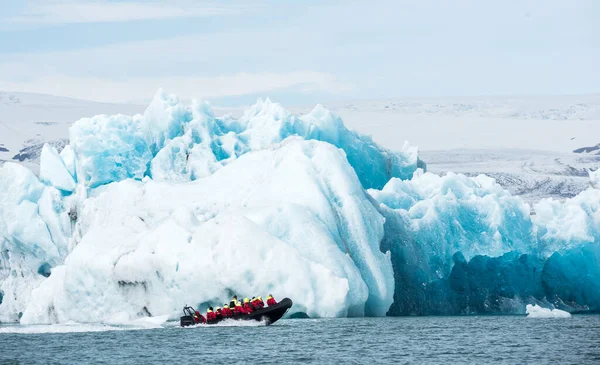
pixel 140 215
pixel 466 243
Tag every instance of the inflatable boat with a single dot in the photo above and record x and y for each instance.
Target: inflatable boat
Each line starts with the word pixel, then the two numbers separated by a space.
pixel 269 315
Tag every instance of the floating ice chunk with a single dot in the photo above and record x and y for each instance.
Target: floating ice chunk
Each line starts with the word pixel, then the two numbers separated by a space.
pixel 535 311
pixel 292 220
pixel 53 170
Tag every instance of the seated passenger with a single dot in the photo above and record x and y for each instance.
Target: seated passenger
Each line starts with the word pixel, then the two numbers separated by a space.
pixel 247 306
pixel 218 313
pixel 210 315
pixel 238 309
pixel 199 318
pixel 226 311
pixel 270 300
pixel 261 304
pixel 255 303
pixel 233 301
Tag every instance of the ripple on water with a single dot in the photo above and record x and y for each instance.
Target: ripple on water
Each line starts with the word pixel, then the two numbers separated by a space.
pixel 439 340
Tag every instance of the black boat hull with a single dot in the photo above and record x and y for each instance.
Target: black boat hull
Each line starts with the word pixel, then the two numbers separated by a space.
pixel 269 314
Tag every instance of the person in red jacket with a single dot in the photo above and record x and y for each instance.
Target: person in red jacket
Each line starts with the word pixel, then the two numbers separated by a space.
pixel 247 306
pixel 260 302
pixel 210 315
pixel 199 318
pixel 238 309
pixel 218 313
pixel 255 303
pixel 226 311
pixel 270 300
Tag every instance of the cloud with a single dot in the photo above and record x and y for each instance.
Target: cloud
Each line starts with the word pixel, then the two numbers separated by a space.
pixel 102 11
pixel 141 90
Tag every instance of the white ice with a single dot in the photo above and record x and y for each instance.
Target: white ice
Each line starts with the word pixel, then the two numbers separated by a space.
pixel 535 311
pixel 143 214
pixel 53 170
pixel 292 220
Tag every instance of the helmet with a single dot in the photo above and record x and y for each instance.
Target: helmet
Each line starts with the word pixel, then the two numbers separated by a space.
pixel 246 300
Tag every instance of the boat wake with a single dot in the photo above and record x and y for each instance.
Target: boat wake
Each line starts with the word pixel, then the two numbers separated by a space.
pixel 231 323
pixel 75 327
pixel 64 328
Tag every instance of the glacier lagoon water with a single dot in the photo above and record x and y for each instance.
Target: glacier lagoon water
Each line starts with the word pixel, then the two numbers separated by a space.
pixel 434 340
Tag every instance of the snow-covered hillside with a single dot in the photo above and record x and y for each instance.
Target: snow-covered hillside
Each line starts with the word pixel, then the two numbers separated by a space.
pixel 526 143
pixel 549 123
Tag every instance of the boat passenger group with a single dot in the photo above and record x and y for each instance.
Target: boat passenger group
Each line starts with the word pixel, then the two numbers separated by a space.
pixel 248 307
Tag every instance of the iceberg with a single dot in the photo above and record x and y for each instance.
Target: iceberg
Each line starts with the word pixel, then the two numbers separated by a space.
pixel 535 311
pixel 463 245
pixel 140 215
pixel 292 219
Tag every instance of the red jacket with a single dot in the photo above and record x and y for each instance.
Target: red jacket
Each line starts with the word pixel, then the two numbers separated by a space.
pixel 271 301
pixel 248 308
pixel 256 304
pixel 238 309
pixel 227 312
pixel 211 316
pixel 199 318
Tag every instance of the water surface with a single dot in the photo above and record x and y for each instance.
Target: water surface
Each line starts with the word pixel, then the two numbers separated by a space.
pixel 434 340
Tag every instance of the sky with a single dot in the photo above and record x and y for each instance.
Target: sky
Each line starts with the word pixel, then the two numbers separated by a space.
pixel 298 52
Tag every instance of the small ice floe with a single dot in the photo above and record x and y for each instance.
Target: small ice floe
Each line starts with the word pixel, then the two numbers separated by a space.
pixel 535 311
